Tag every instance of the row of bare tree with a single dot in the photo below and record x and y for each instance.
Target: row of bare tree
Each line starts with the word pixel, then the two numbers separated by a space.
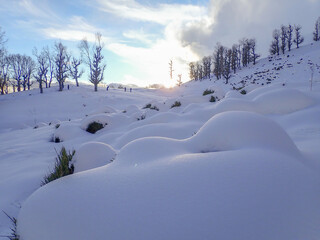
pixel 225 60
pixel 20 71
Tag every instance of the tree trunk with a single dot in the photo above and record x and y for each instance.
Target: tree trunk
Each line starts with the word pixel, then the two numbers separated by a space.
pixel 40 86
pixel 77 82
pixel 96 87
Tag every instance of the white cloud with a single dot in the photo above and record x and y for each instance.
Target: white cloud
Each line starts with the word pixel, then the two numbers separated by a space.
pixel 161 14
pixel 231 20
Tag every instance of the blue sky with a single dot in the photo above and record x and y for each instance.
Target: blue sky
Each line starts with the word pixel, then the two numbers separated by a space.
pixel 141 36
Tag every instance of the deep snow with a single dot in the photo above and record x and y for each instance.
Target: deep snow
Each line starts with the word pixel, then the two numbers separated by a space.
pixel 245 167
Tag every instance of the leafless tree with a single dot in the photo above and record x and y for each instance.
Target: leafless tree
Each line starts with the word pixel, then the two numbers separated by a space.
pixel 316 33
pixel 28 68
pixel 16 66
pixel 283 38
pixel 171 69
pixel 254 55
pixel 192 71
pixel 41 67
pixel 289 35
pixel 61 60
pixel 298 39
pixel 4 71
pixel 179 81
pixel 274 47
pixel 75 72
pixel 92 56
pixel 51 66
pixel 227 65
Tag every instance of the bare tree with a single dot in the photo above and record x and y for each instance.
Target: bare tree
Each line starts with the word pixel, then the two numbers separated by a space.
pixel 298 39
pixel 218 59
pixel 28 68
pixel 192 71
pixel 283 38
pixel 227 65
pixel 316 33
pixel 61 60
pixel 254 54
pixel 289 36
pixel 234 58
pixel 41 67
pixel 274 47
pixel 75 72
pixel 206 62
pixel 51 66
pixel 171 69
pixel 179 81
pixel 94 59
pixel 4 71
pixel 16 65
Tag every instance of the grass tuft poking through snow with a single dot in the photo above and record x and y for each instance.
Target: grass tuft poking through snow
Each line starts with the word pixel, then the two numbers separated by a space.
pixel 14 235
pixel 243 92
pixel 94 127
pixel 176 104
pixel 212 99
pixel 62 166
pixel 207 92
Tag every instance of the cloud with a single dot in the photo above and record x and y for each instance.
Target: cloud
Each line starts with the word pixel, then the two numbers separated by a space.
pixel 160 14
pixel 231 20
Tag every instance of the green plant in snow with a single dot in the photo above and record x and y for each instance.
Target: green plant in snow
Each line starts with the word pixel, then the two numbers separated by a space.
pixel 94 127
pixel 212 99
pixel 176 104
pixel 243 92
pixel 14 235
pixel 207 92
pixel 62 166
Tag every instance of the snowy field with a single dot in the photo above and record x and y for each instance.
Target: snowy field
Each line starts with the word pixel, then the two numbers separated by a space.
pixel 244 167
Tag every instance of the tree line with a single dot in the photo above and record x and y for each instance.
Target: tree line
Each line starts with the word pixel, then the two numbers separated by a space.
pixel 226 61
pixel 20 72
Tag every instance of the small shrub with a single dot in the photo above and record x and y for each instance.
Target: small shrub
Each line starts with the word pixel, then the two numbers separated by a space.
pixel 141 118
pixel 243 92
pixel 155 108
pixel 207 92
pixel 57 125
pixel 14 235
pixel 176 104
pixel 212 99
pixel 57 140
pixel 62 166
pixel 94 127
pixel 147 106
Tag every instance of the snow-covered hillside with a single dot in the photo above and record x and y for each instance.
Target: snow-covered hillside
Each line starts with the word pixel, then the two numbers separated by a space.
pixel 242 167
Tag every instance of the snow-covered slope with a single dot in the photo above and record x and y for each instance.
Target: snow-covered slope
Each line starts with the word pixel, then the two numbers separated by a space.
pixel 243 167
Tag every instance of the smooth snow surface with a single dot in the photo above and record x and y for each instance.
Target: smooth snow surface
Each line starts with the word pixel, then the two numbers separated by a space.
pixel 92 155
pixel 245 167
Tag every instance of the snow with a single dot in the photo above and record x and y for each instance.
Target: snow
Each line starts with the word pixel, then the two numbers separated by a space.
pixel 244 167
pixel 92 155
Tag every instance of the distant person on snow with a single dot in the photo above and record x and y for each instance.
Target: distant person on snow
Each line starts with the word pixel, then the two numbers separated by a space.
pixel 125 89
pixel 108 88
pixel 130 89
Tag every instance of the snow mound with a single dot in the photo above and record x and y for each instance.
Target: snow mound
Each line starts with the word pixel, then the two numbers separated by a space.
pixel 67 131
pixel 92 155
pixel 238 130
pixel 282 101
pixel 99 118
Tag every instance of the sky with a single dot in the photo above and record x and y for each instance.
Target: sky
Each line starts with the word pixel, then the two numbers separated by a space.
pixel 142 36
